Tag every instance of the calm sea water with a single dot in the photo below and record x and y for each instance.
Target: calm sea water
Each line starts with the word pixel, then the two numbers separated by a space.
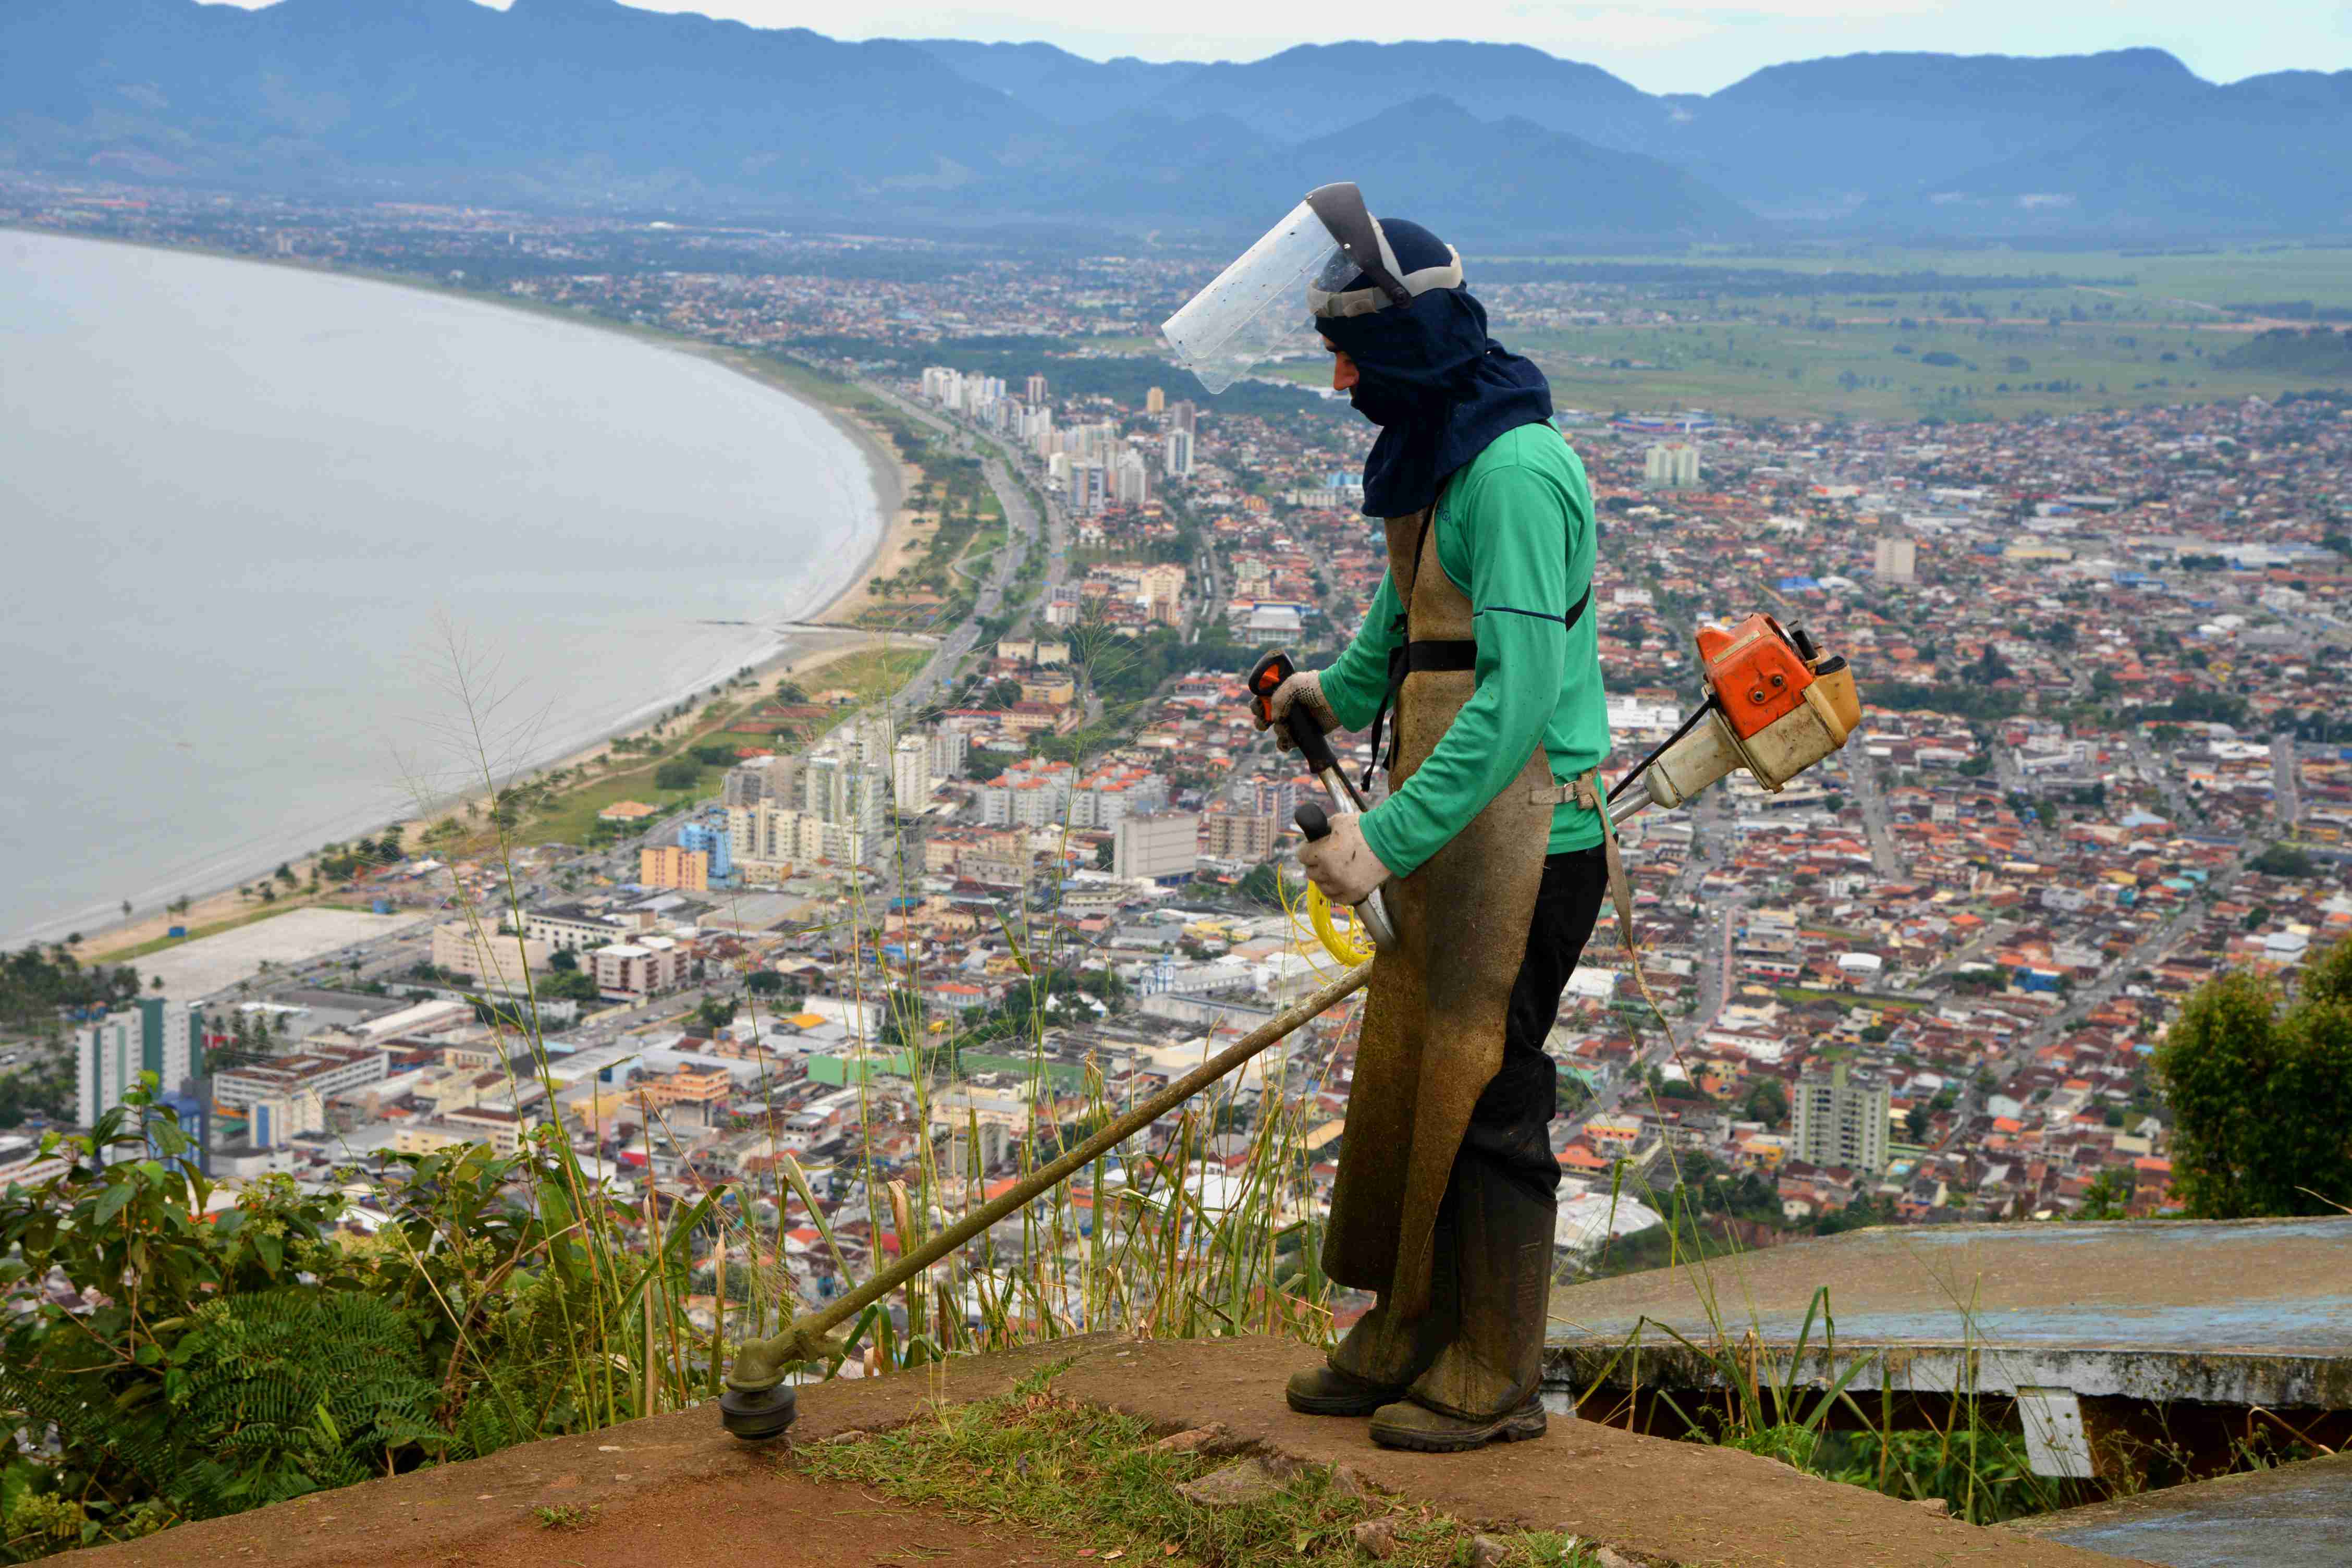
pixel 247 512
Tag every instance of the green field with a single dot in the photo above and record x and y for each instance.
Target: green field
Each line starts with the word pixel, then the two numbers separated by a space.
pixel 573 818
pixel 1962 334
pixel 873 673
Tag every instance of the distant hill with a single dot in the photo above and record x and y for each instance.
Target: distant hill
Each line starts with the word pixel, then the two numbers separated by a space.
pixel 1832 134
pixel 590 102
pixel 2272 154
pixel 572 99
pixel 1317 89
pixel 1062 87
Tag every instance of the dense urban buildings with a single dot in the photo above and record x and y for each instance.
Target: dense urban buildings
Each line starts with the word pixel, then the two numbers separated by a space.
pixel 2103 657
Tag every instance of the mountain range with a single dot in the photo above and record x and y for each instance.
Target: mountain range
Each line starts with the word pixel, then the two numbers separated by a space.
pixel 591 102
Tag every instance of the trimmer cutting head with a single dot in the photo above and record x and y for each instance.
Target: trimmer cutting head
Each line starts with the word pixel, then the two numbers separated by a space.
pixel 758 1414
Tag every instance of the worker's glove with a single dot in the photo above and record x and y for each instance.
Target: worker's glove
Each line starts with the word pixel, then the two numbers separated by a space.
pixel 1342 864
pixel 1305 687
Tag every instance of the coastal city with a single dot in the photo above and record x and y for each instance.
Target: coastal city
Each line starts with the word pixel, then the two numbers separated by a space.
pixel 1018 856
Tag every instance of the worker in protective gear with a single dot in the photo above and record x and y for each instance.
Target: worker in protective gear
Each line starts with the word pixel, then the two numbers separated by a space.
pixel 1488 847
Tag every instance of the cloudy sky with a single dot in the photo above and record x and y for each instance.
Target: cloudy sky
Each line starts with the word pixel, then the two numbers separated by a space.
pixel 1662 47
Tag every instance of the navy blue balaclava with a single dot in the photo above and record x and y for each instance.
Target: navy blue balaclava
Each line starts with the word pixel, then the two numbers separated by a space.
pixel 1429 377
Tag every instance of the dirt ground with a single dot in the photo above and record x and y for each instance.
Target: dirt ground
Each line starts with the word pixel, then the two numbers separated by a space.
pixel 677 1492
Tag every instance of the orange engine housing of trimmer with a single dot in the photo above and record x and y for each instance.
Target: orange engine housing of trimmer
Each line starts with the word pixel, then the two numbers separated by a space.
pixel 1777 705
pixel 1756 670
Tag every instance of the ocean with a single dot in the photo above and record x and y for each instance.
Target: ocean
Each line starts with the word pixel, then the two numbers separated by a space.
pixel 261 524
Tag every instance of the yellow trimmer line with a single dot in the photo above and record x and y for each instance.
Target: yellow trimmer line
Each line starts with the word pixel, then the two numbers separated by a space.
pixel 1350 944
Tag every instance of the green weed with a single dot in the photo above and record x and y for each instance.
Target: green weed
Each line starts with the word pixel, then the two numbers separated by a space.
pixel 1097 1479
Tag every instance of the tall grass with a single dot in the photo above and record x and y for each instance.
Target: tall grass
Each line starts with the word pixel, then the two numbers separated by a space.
pixel 1166 1240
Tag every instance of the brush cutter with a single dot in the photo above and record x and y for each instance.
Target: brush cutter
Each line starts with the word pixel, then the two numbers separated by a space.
pixel 1775 705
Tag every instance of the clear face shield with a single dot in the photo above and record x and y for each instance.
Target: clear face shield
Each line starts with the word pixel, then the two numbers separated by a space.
pixel 1257 309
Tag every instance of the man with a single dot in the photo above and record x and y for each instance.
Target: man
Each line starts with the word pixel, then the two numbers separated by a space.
pixel 1481 652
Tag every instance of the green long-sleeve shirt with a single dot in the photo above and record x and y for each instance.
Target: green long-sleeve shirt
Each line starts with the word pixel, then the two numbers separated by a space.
pixel 1514 531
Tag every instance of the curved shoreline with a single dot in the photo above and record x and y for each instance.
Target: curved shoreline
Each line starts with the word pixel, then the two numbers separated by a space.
pixel 795 644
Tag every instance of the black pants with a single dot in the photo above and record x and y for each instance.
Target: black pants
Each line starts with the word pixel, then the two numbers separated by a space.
pixel 1511 1125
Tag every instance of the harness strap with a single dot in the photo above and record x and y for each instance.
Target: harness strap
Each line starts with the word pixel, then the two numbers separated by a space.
pixel 1412 658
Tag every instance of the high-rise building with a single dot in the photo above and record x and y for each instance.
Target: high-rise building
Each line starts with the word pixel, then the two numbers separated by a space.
pixel 758 779
pixel 150 1034
pixel 1180 454
pixel 1036 396
pixel 765 839
pixel 1033 792
pixel 844 792
pixel 1840 1118
pixel 943 385
pixel 1277 797
pixel 1155 402
pixel 463 947
pixel 1156 843
pixel 1162 589
pixel 712 839
pixel 1133 480
pixel 1895 558
pixel 951 751
pixel 910 774
pixel 1245 835
pixel 1090 488
pixel 668 866
pixel 1670 466
pixel 1181 415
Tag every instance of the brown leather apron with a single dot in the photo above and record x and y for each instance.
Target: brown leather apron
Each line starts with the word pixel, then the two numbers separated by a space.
pixel 1433 1025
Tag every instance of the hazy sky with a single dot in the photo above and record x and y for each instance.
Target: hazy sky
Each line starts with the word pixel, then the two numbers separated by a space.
pixel 1660 48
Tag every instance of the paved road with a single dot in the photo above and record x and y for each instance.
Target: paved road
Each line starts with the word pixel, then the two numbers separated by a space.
pixel 2286 779
pixel 1024 529
pixel 1993 935
pixel 2176 798
pixel 1869 793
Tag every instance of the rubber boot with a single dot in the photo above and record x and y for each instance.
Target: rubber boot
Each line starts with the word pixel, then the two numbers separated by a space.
pixel 1482 1385
pixel 1382 1355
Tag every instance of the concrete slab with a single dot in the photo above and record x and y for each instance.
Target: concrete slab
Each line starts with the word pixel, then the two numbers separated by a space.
pixel 2235 1313
pixel 1655 1502
pixel 2297 1516
pixel 212 964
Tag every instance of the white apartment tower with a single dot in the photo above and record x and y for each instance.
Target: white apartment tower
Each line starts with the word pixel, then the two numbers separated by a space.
pixel 1840 1118
pixel 951 751
pixel 1133 480
pixel 1895 558
pixel 149 1036
pixel 910 774
pixel 1670 466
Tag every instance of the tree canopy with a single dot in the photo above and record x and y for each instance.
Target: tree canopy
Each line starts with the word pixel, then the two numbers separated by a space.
pixel 2260 1088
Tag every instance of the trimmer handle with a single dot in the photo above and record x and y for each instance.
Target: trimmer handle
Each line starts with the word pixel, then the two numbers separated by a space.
pixel 1315 824
pixel 1300 724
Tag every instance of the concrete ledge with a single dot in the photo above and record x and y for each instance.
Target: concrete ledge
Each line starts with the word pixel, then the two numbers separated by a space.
pixel 2245 1312
pixel 2297 1516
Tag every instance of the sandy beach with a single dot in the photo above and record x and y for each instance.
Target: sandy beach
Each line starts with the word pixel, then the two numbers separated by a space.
pixel 803 647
